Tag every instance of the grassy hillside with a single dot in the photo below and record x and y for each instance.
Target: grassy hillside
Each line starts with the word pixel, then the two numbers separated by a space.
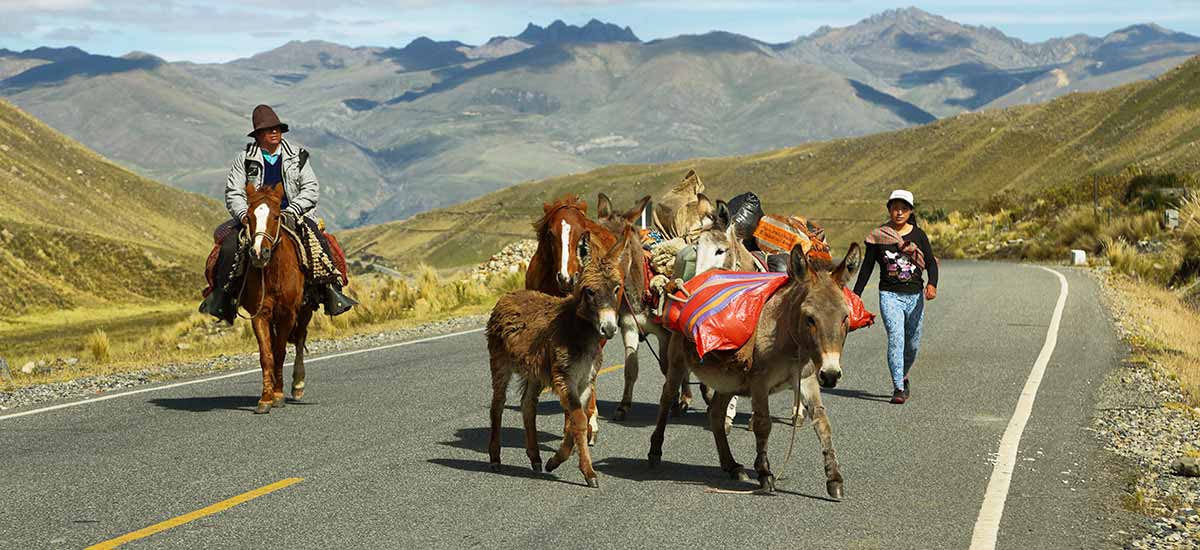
pixel 78 231
pixel 952 164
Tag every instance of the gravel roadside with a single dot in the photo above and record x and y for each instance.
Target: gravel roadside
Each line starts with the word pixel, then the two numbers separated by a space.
pixel 89 386
pixel 1141 418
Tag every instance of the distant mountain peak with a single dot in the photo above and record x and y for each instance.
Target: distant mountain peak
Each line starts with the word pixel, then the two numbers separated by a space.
pixel 559 32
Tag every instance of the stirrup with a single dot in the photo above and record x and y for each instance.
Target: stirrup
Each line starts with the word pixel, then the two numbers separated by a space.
pixel 335 302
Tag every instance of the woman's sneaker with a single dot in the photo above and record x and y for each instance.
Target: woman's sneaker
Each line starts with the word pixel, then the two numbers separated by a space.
pixel 899 397
pixel 907 393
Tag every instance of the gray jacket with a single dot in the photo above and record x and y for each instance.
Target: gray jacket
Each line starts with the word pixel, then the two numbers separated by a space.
pixel 300 184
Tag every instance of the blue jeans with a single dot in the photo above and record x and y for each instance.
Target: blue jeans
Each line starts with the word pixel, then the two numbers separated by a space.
pixel 902 316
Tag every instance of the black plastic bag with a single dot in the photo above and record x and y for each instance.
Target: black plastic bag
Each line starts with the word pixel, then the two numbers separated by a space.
pixel 745 211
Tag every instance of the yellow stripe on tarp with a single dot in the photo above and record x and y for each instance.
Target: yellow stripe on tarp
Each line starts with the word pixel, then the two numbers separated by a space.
pixel 192 516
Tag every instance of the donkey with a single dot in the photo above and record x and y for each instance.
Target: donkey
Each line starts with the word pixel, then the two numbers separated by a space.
pixel 551 341
pixel 635 317
pixel 273 295
pixel 799 336
pixel 554 267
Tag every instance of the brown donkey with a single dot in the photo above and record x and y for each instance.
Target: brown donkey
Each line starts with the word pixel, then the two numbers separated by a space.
pixel 274 296
pixel 799 336
pixel 554 342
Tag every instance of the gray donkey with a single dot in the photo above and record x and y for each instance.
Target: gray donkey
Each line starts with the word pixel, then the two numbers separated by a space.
pixel 799 336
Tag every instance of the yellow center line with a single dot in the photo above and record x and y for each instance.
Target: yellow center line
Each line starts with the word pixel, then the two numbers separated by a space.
pixel 602 371
pixel 192 516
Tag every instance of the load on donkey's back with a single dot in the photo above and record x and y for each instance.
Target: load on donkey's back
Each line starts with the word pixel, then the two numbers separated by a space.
pixel 269 161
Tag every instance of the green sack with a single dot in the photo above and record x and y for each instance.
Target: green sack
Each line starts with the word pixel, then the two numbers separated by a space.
pixel 685 263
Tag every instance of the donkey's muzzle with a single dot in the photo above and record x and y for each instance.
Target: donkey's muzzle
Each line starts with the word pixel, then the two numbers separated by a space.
pixel 607 324
pixel 828 378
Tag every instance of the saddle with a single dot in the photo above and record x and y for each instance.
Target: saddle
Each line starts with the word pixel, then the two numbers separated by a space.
pixel 321 265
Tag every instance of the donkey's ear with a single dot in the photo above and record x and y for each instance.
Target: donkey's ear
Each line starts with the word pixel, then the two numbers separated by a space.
pixel 704 206
pixel 584 249
pixel 604 207
pixel 849 266
pixel 636 212
pixel 798 265
pixel 721 216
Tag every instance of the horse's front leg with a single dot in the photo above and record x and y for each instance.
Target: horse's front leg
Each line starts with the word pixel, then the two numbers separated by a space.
pixel 810 392
pixel 760 396
pixel 266 359
pixel 279 341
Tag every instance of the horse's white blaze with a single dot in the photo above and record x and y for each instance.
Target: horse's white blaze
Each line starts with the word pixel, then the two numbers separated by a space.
pixel 260 226
pixel 564 250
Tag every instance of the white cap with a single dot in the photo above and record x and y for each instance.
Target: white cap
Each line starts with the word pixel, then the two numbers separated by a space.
pixel 903 195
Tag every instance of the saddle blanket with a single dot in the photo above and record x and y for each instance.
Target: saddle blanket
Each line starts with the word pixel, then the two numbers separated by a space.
pixel 722 310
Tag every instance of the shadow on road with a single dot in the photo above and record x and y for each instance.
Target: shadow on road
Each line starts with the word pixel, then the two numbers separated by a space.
pixel 520 470
pixel 857 394
pixel 208 404
pixel 646 414
pixel 476 439
pixel 703 477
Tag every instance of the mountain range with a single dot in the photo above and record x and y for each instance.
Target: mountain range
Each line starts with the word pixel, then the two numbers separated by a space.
pixel 397 131
pixel 960 163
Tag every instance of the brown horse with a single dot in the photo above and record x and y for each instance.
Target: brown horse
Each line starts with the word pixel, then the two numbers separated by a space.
pixel 799 336
pixel 273 294
pixel 554 267
pixel 554 342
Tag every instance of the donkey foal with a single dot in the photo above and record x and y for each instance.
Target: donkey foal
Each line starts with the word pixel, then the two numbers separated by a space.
pixel 551 341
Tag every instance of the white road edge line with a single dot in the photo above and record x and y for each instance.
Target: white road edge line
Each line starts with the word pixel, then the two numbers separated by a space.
pixel 231 375
pixel 987 525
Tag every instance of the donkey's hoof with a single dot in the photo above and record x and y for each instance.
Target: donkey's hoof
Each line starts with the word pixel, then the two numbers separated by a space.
pixel 654 460
pixel 553 463
pixel 494 466
pixel 536 466
pixel 834 488
pixel 263 407
pixel 593 483
pixel 678 409
pixel 592 439
pixel 297 395
pixel 278 402
pixel 621 414
pixel 766 483
pixel 738 473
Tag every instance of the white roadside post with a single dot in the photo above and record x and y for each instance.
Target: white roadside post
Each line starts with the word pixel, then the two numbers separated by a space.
pixel 1078 257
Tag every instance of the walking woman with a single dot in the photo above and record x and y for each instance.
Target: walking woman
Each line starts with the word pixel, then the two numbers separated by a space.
pixel 904 256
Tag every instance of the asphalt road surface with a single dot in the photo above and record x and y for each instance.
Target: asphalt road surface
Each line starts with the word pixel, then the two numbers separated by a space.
pixel 390 450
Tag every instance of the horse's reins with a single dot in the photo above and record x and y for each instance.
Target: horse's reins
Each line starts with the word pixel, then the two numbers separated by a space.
pixel 262 286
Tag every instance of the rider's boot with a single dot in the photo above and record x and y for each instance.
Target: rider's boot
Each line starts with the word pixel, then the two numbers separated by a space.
pixel 335 302
pixel 218 304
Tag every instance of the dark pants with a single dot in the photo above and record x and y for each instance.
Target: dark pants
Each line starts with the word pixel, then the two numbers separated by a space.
pixel 222 272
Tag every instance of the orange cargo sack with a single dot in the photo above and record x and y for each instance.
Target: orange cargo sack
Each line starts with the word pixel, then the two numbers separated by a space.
pixel 859 316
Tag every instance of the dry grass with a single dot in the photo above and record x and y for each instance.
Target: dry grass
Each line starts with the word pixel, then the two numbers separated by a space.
pixel 386 303
pixel 97 345
pixel 1168 330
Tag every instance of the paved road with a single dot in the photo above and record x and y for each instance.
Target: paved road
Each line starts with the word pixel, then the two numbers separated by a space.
pixel 391 447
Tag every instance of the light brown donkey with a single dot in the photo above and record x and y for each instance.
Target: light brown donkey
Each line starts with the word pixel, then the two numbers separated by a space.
pixel 799 336
pixel 551 341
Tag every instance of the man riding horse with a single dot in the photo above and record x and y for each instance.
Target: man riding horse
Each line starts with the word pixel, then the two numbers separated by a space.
pixel 269 161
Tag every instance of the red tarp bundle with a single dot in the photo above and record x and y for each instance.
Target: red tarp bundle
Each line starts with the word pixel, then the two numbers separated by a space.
pixel 724 306
pixel 723 310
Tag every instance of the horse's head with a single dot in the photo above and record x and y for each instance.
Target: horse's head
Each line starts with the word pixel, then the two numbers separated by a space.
pixel 599 287
pixel 820 321
pixel 718 246
pixel 560 232
pixel 263 219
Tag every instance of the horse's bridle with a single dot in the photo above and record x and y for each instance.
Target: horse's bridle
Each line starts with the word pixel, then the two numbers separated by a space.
pixel 262 286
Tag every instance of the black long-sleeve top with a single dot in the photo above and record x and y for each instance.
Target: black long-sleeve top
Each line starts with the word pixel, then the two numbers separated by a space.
pixel 897 272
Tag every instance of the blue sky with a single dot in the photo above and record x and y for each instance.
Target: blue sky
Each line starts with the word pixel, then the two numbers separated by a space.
pixel 223 30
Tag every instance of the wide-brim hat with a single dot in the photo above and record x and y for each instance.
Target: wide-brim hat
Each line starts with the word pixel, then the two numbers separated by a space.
pixel 903 195
pixel 264 117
